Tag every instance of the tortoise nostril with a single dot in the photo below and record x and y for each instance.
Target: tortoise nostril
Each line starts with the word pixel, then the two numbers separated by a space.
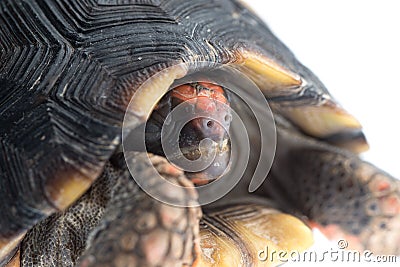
pixel 210 123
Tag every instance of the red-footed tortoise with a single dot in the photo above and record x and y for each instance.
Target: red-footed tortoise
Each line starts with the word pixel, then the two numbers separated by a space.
pixel 68 72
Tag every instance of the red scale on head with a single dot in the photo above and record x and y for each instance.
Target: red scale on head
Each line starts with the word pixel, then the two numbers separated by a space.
pixel 206 98
pixel 207 101
pixel 210 99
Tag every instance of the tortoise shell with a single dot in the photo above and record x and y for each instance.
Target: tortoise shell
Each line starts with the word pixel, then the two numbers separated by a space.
pixel 68 71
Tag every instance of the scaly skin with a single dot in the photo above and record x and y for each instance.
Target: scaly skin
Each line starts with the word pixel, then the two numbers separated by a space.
pixel 339 193
pixel 116 224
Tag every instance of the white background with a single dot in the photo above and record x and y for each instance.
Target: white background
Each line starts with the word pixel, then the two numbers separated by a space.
pixel 354 48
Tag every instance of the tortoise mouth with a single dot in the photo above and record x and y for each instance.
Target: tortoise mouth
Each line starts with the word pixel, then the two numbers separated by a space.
pixel 216 155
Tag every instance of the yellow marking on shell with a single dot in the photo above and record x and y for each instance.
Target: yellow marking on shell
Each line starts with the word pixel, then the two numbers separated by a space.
pixel 266 231
pixel 148 95
pixel 8 244
pixel 15 261
pixel 218 250
pixel 356 145
pixel 274 233
pixel 320 121
pixel 268 74
pixel 67 188
pixel 325 120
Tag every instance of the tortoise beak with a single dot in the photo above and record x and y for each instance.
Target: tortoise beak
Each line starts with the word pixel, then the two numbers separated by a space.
pixel 206 143
pixel 218 158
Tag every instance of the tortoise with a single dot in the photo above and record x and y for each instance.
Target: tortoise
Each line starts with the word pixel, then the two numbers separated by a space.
pixel 68 72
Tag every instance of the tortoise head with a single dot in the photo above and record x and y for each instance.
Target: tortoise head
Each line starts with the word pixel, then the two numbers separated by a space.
pixel 202 131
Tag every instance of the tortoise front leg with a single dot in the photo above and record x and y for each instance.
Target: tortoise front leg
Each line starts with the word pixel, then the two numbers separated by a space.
pixel 117 224
pixel 343 196
pixel 351 199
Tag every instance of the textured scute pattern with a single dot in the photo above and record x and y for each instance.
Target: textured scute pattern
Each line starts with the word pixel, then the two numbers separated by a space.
pixel 135 230
pixel 345 196
pixel 69 68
